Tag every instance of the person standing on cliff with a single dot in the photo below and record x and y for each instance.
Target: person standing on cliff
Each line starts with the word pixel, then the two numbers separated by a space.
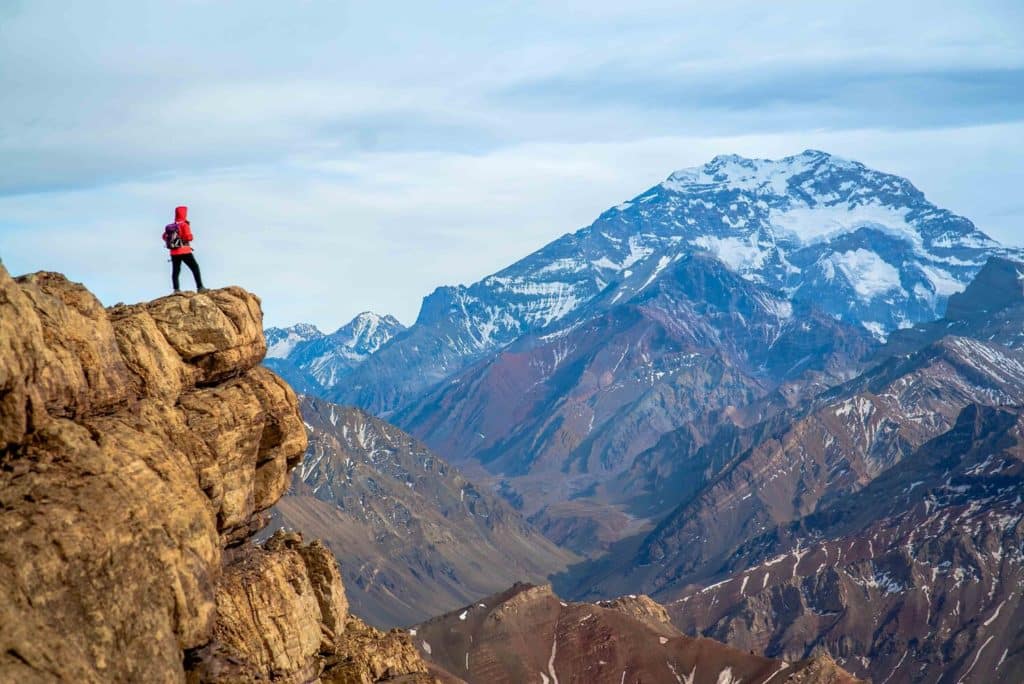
pixel 177 237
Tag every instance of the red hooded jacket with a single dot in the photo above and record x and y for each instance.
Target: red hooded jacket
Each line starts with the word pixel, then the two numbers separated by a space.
pixel 184 230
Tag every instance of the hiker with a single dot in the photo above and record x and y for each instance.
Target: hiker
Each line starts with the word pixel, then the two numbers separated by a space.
pixel 177 237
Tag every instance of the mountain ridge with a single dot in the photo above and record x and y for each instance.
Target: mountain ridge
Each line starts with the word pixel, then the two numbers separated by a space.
pixel 883 256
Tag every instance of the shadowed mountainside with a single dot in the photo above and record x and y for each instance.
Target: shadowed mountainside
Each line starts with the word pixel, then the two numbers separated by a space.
pixel 413 536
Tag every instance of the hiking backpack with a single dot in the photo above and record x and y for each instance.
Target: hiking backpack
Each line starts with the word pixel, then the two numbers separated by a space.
pixel 172 239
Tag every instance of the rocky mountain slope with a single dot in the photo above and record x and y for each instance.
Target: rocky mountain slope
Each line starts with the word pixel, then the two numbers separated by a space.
pixel 833 450
pixel 528 634
pixel 585 401
pixel 865 246
pixel 917 577
pixel 313 362
pixel 806 530
pixel 991 308
pixel 413 536
pixel 138 447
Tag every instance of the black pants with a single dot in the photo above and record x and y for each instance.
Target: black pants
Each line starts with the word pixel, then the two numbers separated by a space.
pixel 176 261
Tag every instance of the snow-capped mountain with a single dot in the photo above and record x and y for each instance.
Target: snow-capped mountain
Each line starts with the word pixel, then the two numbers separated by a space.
pixel 315 362
pixel 584 401
pixel 281 341
pixel 865 246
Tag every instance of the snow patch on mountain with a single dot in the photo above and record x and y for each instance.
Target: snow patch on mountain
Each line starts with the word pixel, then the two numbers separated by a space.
pixel 942 281
pixel 740 254
pixel 821 223
pixel 869 274
pixel 281 341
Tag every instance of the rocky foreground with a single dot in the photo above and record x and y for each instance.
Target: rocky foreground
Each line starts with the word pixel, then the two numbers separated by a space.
pixel 138 447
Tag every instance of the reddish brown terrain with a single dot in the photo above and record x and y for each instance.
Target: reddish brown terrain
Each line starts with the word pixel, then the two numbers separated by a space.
pixel 850 437
pixel 559 415
pixel 918 577
pixel 882 522
pixel 528 634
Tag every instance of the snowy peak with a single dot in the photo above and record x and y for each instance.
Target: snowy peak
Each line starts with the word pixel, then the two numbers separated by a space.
pixel 281 341
pixel 313 362
pixel 762 176
pixel 863 246
pixel 367 332
pixel 803 199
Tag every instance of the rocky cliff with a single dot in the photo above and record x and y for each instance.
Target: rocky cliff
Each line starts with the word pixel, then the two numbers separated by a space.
pixel 138 447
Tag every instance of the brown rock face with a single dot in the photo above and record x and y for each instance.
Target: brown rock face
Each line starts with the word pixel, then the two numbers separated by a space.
pixel 138 447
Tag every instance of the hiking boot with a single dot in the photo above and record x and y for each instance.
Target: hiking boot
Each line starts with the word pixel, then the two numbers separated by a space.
pixel 177 291
pixel 202 289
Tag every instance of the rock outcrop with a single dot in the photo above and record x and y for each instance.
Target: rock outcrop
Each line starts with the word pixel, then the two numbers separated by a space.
pixel 139 446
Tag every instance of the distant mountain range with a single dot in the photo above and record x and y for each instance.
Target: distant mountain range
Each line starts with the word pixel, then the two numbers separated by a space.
pixel 314 362
pixel 781 397
pixel 862 245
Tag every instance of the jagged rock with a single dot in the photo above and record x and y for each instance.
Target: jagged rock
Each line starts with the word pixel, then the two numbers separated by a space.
pixel 268 616
pixel 366 655
pixel 279 609
pixel 219 332
pixel 138 448
pixel 248 420
pixel 643 608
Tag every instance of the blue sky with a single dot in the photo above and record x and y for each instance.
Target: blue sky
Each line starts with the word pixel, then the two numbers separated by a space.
pixel 340 157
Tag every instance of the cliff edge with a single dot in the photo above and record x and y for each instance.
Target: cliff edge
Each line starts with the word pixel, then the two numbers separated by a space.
pixel 139 446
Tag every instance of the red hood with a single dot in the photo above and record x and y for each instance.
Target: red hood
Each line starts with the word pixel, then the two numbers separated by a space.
pixel 181 214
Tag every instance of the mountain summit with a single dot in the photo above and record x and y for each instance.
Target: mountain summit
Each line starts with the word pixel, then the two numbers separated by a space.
pixel 864 246
pixel 314 362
